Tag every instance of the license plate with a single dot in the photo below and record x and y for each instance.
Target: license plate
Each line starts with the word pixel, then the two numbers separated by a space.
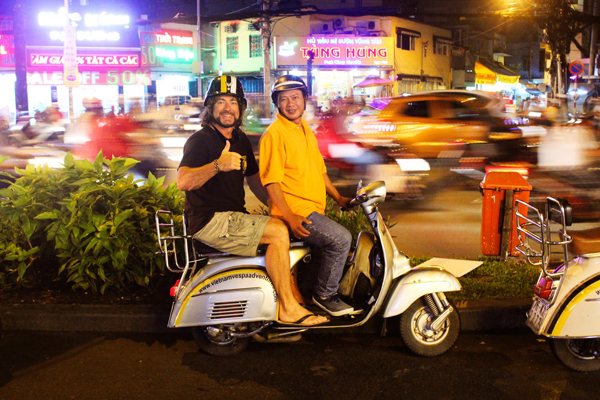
pixel 536 315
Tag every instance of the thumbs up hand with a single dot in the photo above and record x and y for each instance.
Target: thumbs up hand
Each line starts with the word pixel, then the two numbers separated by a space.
pixel 229 161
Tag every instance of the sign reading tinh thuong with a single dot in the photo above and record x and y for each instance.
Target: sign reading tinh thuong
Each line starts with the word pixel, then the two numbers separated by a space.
pixel 71 72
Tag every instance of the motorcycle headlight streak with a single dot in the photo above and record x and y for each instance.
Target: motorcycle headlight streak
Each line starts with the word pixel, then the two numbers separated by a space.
pixel 173 141
pixel 52 162
pixel 413 164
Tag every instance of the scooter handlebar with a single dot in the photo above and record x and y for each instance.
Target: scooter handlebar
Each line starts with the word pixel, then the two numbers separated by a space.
pixel 358 200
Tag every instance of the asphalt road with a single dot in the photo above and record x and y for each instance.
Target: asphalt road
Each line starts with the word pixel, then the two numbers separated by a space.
pixel 92 366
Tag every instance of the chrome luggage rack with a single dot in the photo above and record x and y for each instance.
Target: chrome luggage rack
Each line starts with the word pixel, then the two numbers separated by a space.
pixel 167 243
pixel 538 247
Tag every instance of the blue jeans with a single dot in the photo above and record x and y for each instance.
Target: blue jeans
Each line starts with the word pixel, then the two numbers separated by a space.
pixel 335 240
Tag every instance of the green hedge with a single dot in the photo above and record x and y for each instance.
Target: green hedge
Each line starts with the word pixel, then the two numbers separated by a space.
pixel 87 224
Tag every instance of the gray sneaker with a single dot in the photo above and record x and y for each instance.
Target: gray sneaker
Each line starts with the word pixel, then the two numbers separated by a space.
pixel 333 305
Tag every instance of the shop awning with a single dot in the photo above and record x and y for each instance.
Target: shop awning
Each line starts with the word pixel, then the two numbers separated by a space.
pixel 408 77
pixel 373 81
pixel 442 39
pixel 487 73
pixel 419 78
pixel 409 32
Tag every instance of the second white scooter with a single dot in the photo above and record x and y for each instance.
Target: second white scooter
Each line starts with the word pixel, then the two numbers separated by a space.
pixel 566 306
pixel 228 300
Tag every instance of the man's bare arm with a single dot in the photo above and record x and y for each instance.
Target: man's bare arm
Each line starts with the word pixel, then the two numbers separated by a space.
pixel 257 188
pixel 194 178
pixel 333 192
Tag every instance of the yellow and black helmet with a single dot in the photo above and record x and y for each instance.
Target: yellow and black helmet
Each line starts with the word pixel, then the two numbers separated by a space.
pixel 228 85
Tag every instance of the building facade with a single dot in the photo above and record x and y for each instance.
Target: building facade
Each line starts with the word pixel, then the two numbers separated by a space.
pixel 406 56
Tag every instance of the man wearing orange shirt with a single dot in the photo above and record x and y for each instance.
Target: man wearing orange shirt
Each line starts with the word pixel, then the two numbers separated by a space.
pixel 293 171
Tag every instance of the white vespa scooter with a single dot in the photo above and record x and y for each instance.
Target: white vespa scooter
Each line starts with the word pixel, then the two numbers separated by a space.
pixel 566 306
pixel 228 300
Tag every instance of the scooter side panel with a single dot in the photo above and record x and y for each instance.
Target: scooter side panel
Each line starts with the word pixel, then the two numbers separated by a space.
pixel 415 284
pixel 581 273
pixel 579 314
pixel 233 296
pixel 228 266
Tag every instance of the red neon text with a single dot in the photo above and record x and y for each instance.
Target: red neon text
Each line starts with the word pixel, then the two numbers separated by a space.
pixel 351 52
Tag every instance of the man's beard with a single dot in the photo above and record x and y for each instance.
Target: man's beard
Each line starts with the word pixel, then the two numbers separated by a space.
pixel 222 125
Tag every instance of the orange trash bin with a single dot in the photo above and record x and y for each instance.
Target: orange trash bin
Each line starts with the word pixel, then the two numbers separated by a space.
pixel 497 188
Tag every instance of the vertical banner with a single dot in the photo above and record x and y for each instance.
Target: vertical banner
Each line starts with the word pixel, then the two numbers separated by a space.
pixel 71 72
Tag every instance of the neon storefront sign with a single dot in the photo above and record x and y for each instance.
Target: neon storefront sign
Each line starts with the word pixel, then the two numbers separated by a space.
pixel 174 54
pixel 7 51
pixel 161 46
pixel 117 59
pixel 97 77
pixel 100 27
pixel 336 51
pixel 89 20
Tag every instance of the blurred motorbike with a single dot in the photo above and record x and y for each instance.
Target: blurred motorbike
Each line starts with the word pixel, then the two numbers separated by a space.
pixel 121 137
pixel 30 132
pixel 351 159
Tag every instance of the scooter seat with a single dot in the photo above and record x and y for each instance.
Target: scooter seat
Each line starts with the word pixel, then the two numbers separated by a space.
pixel 204 250
pixel 586 241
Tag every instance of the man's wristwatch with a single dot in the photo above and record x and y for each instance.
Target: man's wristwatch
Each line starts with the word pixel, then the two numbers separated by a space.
pixel 216 162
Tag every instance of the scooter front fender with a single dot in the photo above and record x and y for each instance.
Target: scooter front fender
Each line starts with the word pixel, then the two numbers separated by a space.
pixel 417 283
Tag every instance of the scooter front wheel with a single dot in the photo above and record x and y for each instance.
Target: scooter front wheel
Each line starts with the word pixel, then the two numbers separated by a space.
pixel 578 354
pixel 416 332
pixel 218 340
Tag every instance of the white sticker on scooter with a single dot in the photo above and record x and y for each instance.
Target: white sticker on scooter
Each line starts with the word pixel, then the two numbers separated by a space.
pixel 222 279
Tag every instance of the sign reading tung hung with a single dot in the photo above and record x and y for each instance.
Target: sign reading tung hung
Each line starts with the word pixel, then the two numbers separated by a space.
pixel 336 51
pixel 161 46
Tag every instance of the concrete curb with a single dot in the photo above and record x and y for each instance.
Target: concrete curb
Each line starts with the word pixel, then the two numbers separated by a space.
pixel 486 315
pixel 85 318
pixel 494 315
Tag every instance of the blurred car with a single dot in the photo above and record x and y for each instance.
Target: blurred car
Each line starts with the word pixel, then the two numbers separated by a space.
pixel 177 100
pixel 443 124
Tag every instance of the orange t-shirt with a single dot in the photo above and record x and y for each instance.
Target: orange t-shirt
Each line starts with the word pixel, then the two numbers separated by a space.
pixel 289 155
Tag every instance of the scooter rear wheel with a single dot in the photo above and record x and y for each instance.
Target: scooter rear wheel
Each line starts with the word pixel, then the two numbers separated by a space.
pixel 415 330
pixel 215 341
pixel 577 354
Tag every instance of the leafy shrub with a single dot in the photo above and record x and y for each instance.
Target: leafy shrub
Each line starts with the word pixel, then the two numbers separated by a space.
pixel 88 223
pixel 354 220
pixel 497 279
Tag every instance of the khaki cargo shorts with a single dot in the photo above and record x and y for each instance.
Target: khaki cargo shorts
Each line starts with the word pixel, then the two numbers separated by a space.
pixel 234 232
